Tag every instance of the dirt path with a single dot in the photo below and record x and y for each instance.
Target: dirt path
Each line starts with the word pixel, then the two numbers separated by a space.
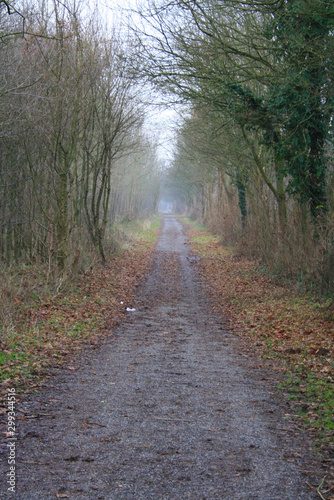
pixel 167 410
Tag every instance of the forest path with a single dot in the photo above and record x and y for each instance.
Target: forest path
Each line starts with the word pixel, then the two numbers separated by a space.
pixel 168 409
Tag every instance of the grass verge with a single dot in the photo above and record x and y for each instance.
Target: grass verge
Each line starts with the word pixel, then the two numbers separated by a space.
pixel 49 330
pixel 290 328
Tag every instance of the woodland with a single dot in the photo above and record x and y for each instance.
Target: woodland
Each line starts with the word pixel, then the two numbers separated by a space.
pixel 82 175
pixel 254 149
pixel 74 155
pixel 254 157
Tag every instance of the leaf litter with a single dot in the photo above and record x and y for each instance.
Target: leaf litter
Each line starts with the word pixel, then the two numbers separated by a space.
pixel 51 332
pixel 290 329
pixel 190 362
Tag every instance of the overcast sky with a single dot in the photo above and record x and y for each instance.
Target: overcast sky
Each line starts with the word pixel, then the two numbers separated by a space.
pixel 161 120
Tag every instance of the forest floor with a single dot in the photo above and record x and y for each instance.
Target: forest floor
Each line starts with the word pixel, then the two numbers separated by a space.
pixel 173 403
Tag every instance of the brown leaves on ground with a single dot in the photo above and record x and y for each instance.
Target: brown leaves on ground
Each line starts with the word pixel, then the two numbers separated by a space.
pixel 290 328
pixel 83 313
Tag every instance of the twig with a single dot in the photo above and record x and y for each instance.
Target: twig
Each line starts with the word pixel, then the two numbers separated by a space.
pixel 87 422
pixel 38 415
pixel 309 485
pixel 318 489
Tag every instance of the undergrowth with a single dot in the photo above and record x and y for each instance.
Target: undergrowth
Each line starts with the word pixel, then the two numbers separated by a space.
pixel 290 326
pixel 39 328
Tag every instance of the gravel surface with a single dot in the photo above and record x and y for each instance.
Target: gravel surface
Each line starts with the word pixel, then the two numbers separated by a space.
pixel 170 408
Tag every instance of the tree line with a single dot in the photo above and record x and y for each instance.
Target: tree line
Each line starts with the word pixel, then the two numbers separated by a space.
pixel 254 156
pixel 255 153
pixel 74 155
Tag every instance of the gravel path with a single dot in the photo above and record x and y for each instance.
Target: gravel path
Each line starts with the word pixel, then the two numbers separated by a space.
pixel 168 409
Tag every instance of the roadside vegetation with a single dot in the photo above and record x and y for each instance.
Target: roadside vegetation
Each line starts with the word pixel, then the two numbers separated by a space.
pixel 43 330
pixel 79 182
pixel 254 153
pixel 253 162
pixel 293 329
